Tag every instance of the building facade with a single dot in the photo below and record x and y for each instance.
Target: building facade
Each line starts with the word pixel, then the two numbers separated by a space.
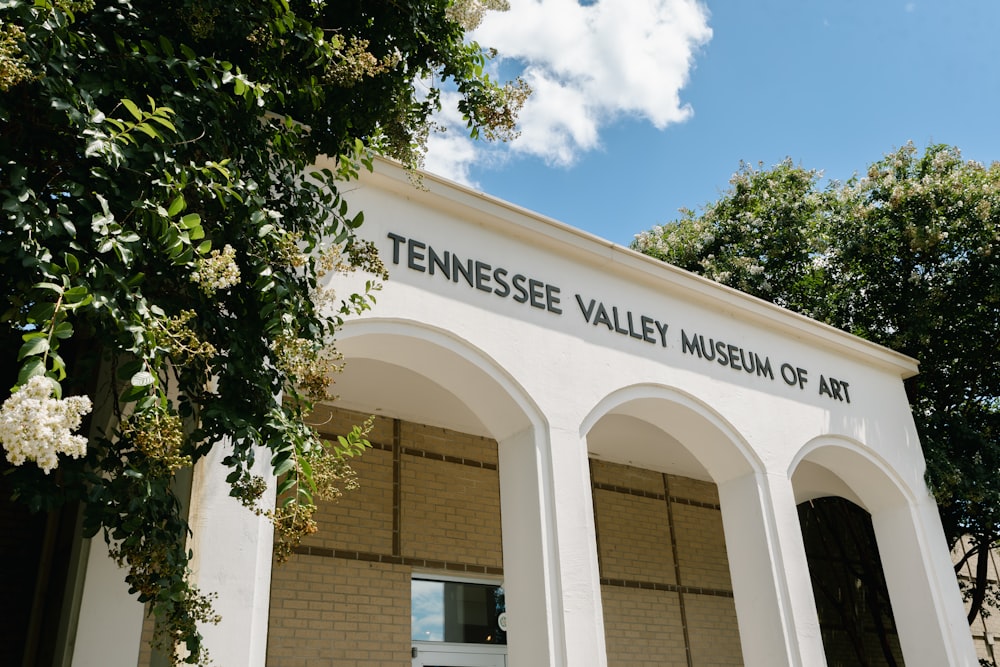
pixel 582 456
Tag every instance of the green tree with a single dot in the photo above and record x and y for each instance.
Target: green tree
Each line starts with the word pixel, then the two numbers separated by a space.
pixel 906 256
pixel 161 228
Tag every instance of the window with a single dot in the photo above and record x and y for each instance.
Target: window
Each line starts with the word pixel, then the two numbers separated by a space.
pixel 450 610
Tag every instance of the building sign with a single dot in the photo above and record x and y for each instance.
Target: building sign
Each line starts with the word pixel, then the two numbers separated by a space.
pixel 525 289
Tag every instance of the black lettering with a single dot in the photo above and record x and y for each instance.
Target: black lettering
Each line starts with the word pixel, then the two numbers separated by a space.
pixel 801 372
pixel 396 240
pixel 504 288
pixel 732 356
pixel 688 346
pixel 458 268
pixel 535 287
pixel 720 348
pixel 647 329
pixel 788 374
pixel 632 332
pixel 618 328
pixel 662 328
pixel 743 362
pixel 586 310
pixel 706 350
pixel 823 388
pixel 835 388
pixel 602 316
pixel 552 299
pixel 483 276
pixel 764 367
pixel 522 293
pixel 844 386
pixel 412 256
pixel 435 260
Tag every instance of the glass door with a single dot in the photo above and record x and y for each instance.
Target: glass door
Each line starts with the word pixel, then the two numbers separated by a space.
pixel 457 622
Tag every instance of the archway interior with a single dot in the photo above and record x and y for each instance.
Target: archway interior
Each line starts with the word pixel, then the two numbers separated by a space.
pixel 849 586
pixel 837 488
pixel 666 587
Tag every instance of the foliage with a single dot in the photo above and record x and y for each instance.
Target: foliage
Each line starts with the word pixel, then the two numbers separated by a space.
pixel 161 228
pixel 907 256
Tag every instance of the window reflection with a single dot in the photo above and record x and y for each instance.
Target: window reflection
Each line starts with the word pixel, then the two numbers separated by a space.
pixel 456 611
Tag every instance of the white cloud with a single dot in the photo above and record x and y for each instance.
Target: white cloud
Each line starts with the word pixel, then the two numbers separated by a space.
pixel 588 65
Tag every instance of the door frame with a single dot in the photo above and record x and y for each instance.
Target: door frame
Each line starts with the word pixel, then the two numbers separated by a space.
pixel 428 654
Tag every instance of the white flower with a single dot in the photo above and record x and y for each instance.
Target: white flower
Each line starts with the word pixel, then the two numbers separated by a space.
pixel 218 271
pixel 35 426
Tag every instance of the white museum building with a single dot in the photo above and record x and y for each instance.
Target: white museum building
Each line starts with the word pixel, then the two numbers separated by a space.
pixel 582 457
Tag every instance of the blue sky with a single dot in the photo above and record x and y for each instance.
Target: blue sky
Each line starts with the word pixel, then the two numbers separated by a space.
pixel 646 106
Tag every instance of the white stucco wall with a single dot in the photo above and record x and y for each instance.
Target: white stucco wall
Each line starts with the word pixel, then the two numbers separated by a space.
pixel 545 372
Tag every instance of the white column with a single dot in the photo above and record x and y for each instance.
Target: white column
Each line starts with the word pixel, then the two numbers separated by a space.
pixel 109 629
pixel 775 606
pixel 926 604
pixel 550 553
pixel 232 557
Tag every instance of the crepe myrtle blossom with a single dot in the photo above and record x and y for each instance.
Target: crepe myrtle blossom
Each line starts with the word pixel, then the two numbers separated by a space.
pixel 218 271
pixel 35 425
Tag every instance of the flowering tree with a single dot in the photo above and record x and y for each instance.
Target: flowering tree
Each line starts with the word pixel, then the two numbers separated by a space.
pixel 164 245
pixel 907 256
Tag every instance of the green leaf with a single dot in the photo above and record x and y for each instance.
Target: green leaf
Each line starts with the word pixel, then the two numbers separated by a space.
pixel 32 367
pixel 132 108
pixel 34 347
pixel 63 330
pixel 142 379
pixel 176 206
pixel 133 393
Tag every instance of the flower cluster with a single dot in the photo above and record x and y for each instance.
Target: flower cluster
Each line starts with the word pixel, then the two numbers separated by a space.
pixel 218 271
pixel 36 426
pixel 160 437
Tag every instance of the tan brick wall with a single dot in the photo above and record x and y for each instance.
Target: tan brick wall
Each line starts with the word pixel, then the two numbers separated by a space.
pixel 450 512
pixel 701 547
pixel 637 479
pixel 360 520
pixel 345 601
pixel 712 629
pixel 633 510
pixel 340 606
pixel 334 611
pixel 643 628
pixel 634 537
pixel 441 441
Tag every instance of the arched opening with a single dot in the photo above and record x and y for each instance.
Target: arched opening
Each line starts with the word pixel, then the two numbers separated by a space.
pixel 669 486
pixel 451 512
pixel 854 486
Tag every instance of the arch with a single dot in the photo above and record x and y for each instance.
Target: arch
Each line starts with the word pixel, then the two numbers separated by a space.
pixel 469 374
pixel 771 610
pixel 459 373
pixel 910 542
pixel 702 431
pixel 837 465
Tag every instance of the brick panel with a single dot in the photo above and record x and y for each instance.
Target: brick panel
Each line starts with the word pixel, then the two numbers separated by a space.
pixel 450 512
pixel 361 519
pixel 712 630
pixel 331 612
pixel 628 477
pixel 701 547
pixel 634 536
pixel 642 628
